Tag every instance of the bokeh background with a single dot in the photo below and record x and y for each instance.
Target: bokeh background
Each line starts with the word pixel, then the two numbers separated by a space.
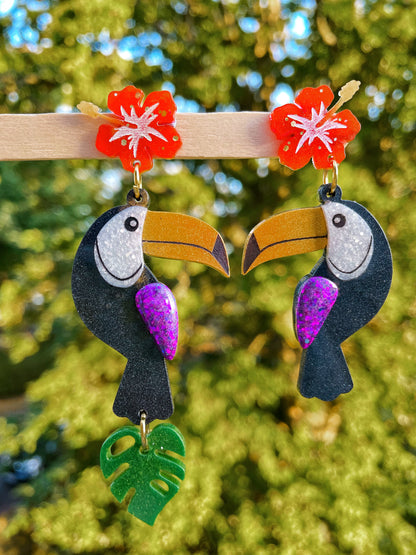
pixel 267 471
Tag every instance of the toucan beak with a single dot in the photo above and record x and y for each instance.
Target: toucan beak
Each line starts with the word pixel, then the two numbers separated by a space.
pixel 291 232
pixel 170 235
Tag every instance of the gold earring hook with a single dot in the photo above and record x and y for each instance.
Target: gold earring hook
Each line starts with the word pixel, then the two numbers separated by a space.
pixel 137 185
pixel 334 177
pixel 138 196
pixel 334 182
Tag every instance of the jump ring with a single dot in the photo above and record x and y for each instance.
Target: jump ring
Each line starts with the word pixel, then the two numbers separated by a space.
pixel 137 186
pixel 143 431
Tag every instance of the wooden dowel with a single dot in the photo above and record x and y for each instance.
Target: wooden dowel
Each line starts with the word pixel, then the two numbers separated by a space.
pixel 68 136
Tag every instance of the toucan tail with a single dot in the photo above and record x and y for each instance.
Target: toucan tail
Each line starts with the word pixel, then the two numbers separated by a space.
pixel 144 387
pixel 323 371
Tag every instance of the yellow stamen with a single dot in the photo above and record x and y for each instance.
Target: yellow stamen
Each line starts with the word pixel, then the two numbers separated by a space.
pixel 93 111
pixel 346 93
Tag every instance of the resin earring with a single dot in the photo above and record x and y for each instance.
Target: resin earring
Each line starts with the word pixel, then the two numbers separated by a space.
pixel 124 305
pixel 349 284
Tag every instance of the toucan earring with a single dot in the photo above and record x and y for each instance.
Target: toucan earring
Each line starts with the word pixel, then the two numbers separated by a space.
pixel 349 284
pixel 124 305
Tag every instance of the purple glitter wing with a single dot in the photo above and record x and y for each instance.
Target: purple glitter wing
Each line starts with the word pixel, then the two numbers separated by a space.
pixel 314 303
pixel 157 306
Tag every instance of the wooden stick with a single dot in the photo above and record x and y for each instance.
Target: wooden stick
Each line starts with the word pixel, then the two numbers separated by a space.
pixel 65 136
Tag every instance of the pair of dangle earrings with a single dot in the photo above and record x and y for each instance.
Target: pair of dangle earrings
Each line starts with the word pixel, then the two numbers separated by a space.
pixel 124 305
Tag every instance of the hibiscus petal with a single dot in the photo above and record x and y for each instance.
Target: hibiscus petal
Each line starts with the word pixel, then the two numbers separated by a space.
pixel 281 124
pixel 144 157
pixel 165 149
pixel 102 141
pixel 292 159
pixel 323 159
pixel 166 108
pixel 311 97
pixel 129 96
pixel 353 126
pixel 120 149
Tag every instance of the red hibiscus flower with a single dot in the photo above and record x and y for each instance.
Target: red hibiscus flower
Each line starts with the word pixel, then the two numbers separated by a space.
pixel 141 130
pixel 307 130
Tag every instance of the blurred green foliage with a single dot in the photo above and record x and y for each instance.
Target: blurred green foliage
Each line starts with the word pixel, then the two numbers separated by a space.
pixel 267 471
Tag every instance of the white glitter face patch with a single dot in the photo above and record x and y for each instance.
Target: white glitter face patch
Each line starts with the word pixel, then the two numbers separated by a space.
pixel 118 249
pixel 350 241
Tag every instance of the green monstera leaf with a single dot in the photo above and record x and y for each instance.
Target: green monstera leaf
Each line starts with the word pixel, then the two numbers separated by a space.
pixel 146 470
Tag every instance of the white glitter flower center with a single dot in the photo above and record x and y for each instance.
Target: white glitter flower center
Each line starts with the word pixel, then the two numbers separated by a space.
pixel 142 130
pixel 311 129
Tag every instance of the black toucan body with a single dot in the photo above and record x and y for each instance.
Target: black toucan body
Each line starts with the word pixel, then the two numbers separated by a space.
pixel 107 274
pixel 356 266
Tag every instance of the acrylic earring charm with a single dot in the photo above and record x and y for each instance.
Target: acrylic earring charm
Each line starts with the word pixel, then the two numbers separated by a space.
pixel 138 128
pixel 124 305
pixel 348 285
pixel 152 473
pixel 309 130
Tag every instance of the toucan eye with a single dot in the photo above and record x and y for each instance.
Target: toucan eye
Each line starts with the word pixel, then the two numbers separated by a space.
pixel 131 224
pixel 339 220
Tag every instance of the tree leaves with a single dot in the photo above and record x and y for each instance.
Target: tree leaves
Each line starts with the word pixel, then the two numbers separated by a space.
pixel 268 471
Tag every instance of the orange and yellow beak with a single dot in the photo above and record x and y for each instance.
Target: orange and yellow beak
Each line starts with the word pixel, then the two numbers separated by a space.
pixel 181 237
pixel 288 233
